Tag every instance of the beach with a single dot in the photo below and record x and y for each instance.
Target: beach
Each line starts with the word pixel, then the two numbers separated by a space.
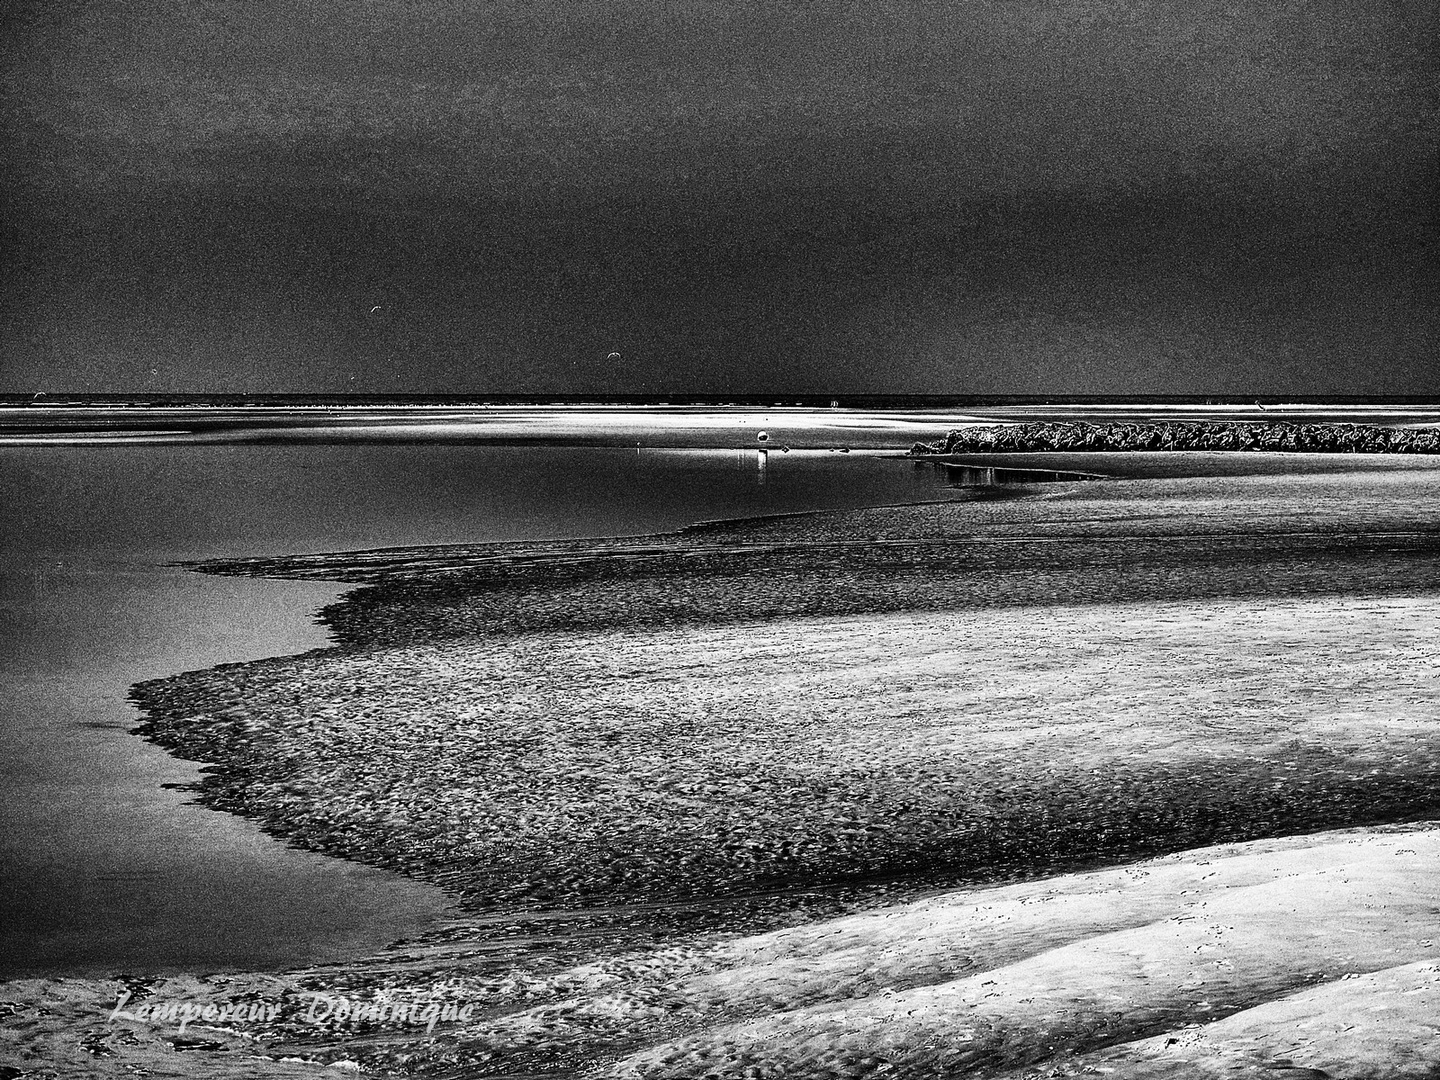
pixel 1131 776
pixel 636 541
pixel 779 541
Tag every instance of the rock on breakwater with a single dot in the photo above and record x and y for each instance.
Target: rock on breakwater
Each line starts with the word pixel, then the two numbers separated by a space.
pixel 1187 435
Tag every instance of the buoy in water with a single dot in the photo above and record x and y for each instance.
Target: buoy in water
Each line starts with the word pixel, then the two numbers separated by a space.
pixel 762 437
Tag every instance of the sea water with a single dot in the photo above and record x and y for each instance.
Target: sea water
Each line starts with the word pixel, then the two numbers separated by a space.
pixel 108 866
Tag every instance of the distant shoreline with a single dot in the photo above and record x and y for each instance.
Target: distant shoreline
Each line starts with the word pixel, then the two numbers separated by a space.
pixel 779 398
pixel 720 425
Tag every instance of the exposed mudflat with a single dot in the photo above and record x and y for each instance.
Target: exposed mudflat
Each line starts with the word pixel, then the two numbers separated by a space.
pixel 907 791
pixel 893 750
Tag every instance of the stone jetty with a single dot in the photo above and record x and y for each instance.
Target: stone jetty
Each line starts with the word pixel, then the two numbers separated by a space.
pixel 1186 435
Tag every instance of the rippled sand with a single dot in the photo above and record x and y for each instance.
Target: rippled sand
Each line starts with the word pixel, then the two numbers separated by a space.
pixel 1306 953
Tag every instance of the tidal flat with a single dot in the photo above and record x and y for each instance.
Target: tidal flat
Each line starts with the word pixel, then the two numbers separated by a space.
pixel 1135 776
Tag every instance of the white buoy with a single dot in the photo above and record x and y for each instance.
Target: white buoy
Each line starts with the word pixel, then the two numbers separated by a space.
pixel 762 437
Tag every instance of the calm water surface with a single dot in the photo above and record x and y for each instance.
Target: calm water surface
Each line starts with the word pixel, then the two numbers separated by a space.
pixel 107 870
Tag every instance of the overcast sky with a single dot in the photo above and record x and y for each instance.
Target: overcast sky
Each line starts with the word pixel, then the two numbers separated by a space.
pixel 916 196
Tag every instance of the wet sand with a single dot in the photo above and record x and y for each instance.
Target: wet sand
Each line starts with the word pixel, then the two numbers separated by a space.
pixel 1312 955
pixel 845 794
pixel 587 767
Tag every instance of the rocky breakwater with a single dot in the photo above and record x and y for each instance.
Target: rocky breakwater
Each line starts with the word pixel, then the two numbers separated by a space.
pixel 1187 435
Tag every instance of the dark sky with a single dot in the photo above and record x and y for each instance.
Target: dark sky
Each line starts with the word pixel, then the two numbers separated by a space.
pixel 969 196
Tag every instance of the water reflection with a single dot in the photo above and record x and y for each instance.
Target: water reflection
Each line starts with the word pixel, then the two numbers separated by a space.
pixel 967 476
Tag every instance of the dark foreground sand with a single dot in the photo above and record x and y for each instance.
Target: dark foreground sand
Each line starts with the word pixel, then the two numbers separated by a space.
pixel 1136 778
pixel 1309 956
